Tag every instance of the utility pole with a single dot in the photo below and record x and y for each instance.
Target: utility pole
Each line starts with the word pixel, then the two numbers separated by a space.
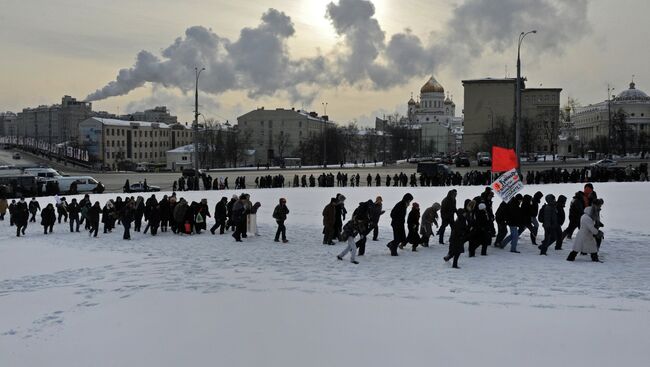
pixel 518 98
pixel 197 73
pixel 609 119
pixel 324 135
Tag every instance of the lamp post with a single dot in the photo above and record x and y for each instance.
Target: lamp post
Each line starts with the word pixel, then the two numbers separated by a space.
pixel 609 119
pixel 518 97
pixel 324 135
pixel 197 73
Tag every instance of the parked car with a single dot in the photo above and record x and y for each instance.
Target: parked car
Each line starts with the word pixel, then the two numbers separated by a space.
pixel 432 168
pixel 461 160
pixel 483 159
pixel 139 187
pixel 604 163
pixel 16 156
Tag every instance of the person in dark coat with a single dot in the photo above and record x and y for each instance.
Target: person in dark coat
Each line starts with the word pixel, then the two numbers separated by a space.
pixel 107 216
pixel 457 239
pixel 149 206
pixel 481 232
pixel 138 213
pixel 48 218
pixel 375 213
pixel 21 217
pixel 154 220
pixel 205 214
pixel 398 217
pixel 230 223
pixel 165 213
pixel 34 208
pixel 561 203
pixel 220 216
pixel 329 222
pixel 447 210
pixel 62 210
pixel 340 215
pixel 500 218
pixel 514 219
pixel 413 224
pixel 280 215
pixel 576 209
pixel 238 217
pixel 548 218
pixel 93 218
pixel 128 213
pixel 361 217
pixel 73 211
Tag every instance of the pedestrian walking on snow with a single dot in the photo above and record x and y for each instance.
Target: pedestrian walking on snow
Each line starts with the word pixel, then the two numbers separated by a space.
pixel 280 215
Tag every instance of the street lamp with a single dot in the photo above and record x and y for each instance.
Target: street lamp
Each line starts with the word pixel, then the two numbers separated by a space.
pixel 197 73
pixel 324 135
pixel 518 97
pixel 609 119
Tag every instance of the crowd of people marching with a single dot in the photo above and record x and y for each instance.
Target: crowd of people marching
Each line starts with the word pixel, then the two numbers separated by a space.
pixel 472 223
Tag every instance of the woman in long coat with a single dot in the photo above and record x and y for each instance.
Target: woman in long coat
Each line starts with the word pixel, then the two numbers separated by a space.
pixel 585 241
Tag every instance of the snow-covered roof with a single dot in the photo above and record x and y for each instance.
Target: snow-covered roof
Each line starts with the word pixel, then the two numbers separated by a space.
pixel 184 149
pixel 123 123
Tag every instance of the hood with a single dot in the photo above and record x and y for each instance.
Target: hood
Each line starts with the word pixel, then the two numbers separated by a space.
pixel 550 199
pixel 407 197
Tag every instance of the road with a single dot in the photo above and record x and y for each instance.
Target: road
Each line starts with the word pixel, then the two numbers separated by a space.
pixel 114 181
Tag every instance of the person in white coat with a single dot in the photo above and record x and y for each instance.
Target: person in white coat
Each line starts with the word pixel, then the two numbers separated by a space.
pixel 251 224
pixel 585 240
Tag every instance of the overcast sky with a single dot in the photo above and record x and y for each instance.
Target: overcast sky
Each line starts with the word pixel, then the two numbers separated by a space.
pixel 363 60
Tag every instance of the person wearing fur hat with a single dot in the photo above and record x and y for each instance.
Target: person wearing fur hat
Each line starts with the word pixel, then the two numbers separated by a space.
pixel 429 218
pixel 586 239
pixel 398 217
pixel 413 224
pixel 280 215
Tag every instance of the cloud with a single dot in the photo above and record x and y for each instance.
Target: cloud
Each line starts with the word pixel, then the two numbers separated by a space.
pixel 259 62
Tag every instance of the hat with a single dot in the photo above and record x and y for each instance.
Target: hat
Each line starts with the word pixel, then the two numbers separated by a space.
pixel 379 199
pixel 283 200
pixel 416 205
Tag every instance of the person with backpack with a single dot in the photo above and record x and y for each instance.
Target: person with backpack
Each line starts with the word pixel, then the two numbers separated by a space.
pixel 280 215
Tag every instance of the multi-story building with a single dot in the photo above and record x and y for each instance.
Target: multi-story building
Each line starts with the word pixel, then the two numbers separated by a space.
pixel 157 114
pixel 595 120
pixel 111 141
pixel 7 124
pixel 489 102
pixel 54 124
pixel 278 133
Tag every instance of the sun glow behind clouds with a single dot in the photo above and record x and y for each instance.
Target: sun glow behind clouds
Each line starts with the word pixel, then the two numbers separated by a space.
pixel 311 13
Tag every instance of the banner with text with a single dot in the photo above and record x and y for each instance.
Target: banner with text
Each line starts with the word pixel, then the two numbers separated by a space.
pixel 508 185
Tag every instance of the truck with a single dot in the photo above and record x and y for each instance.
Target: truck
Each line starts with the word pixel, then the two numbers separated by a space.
pixel 432 168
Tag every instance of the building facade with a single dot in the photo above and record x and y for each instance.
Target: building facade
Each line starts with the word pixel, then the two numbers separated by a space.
pixel 490 102
pixel 56 123
pixel 156 114
pixel 8 124
pixel 595 120
pixel 111 141
pixel 275 134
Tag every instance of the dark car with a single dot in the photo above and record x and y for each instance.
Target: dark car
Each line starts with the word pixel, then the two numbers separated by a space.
pixel 139 187
pixel 461 160
pixel 432 168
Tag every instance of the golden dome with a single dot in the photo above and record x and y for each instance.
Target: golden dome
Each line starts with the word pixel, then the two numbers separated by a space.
pixel 432 86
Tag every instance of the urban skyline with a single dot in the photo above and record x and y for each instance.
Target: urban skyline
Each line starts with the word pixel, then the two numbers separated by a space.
pixel 597 48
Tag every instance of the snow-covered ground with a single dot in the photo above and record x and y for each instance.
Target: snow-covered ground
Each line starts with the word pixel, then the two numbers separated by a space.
pixel 70 300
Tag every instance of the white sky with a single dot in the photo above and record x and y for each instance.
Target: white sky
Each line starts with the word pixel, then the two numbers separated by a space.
pixel 52 48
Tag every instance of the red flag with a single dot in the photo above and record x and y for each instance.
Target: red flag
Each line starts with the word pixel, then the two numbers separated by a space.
pixel 503 159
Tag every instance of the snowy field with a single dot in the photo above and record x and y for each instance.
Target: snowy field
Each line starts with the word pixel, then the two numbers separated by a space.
pixel 70 300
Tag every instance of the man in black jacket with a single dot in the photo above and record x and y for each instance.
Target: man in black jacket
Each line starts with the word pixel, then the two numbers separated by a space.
pixel 73 212
pixel 447 211
pixel 21 216
pixel 398 217
pixel 514 219
pixel 34 207
pixel 220 214
pixel 375 213
pixel 280 215
pixel 48 218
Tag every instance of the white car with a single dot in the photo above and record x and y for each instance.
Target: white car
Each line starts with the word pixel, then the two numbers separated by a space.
pixel 604 163
pixel 84 183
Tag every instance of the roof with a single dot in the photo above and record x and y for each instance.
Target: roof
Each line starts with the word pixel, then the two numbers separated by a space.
pixel 490 80
pixel 123 123
pixel 184 149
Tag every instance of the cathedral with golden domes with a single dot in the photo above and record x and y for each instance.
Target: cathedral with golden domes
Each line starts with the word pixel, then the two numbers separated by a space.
pixel 432 106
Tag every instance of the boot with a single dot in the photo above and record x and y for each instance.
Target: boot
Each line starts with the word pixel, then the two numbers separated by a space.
pixel 572 256
pixel 533 239
pixel 415 248
pixel 594 257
